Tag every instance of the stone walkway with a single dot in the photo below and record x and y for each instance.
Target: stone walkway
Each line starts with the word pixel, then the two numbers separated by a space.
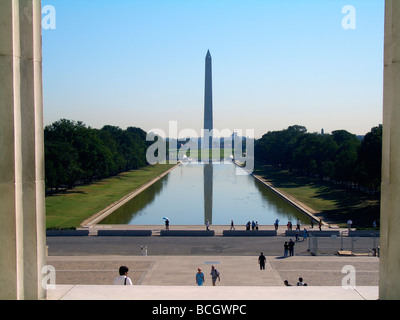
pixel 235 270
pixel 239 274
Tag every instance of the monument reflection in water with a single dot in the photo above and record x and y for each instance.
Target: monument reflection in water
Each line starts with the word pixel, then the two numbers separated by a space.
pixel 208 191
pixel 192 193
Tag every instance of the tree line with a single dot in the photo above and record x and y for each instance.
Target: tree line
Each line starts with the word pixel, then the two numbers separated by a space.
pixel 340 156
pixel 75 153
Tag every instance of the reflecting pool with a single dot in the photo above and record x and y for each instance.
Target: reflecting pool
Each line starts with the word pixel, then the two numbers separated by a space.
pixel 193 193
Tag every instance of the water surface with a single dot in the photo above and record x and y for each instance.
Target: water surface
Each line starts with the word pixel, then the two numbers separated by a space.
pixel 193 193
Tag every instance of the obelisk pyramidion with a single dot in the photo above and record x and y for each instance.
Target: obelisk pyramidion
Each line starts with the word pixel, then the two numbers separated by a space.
pixel 208 103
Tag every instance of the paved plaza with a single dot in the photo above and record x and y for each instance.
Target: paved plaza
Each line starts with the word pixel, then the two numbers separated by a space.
pixel 87 266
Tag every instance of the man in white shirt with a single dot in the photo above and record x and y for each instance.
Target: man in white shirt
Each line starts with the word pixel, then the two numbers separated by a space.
pixel 123 278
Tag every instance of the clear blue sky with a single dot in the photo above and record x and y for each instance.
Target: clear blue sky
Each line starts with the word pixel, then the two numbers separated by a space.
pixel 275 63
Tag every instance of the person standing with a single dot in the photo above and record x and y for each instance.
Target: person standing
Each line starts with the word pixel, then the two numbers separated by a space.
pixel 214 275
pixel 123 278
pixel 285 249
pixel 291 247
pixel 166 224
pixel 261 261
pixel 276 224
pixel 200 277
pixel 298 224
pixel 207 225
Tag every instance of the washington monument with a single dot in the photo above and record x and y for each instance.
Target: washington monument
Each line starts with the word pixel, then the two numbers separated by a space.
pixel 208 103
pixel 208 126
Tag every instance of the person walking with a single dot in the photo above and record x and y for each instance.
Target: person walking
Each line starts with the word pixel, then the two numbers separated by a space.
pixel 297 234
pixel 305 233
pixel 349 223
pixel 232 225
pixel 291 247
pixel 123 278
pixel 214 275
pixel 207 225
pixel 200 277
pixel 285 249
pixel 261 261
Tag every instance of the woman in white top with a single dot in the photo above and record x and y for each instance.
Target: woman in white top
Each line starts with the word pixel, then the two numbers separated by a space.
pixel 123 278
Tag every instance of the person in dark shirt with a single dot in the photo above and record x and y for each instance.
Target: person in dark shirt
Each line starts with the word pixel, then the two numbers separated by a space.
pixel 291 247
pixel 261 261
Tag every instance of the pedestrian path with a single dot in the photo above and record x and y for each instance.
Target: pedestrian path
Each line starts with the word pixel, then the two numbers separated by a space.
pixel 173 277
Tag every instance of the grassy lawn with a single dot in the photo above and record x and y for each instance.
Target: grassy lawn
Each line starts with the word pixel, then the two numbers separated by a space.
pixel 335 203
pixel 69 209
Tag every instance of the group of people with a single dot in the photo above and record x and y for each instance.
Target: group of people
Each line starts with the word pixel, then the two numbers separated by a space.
pixel 253 225
pixel 289 225
pixel 200 279
pixel 288 248
pixel 299 284
pixel 123 278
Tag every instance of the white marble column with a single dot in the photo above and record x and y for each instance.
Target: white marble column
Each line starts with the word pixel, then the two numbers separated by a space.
pixel 22 211
pixel 389 271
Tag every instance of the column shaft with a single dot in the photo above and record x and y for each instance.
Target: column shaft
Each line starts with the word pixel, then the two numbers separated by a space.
pixel 22 228
pixel 389 271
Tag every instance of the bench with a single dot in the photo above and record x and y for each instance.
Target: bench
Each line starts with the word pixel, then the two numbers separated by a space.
pixel 187 233
pixel 247 233
pixel 67 233
pixel 328 233
pixel 124 233
pixel 364 233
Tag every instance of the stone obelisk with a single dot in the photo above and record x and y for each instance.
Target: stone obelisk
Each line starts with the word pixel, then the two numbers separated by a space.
pixel 208 104
pixel 208 127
